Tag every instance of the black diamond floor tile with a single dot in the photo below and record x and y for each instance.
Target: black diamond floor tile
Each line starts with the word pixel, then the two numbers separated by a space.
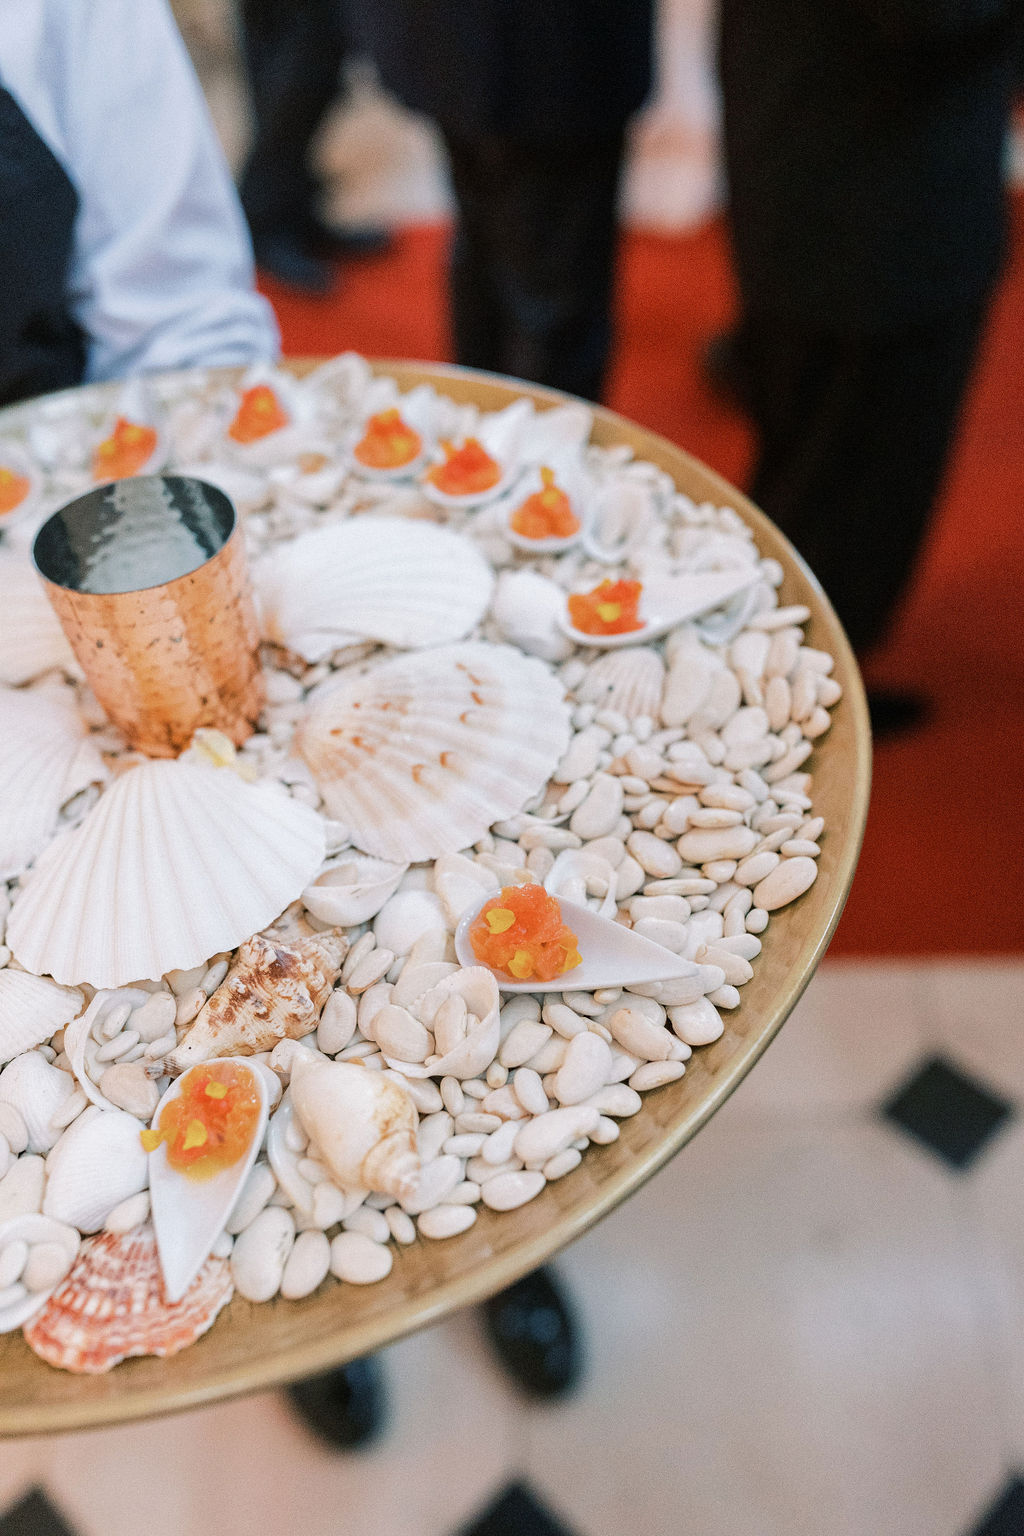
pixel 950 1112
pixel 515 1512
pixel 34 1515
pixel 1006 1517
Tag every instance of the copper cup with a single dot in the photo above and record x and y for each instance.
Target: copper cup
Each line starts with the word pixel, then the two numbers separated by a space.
pixel 149 581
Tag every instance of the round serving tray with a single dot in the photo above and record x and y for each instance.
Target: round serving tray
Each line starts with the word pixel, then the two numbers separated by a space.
pixel 252 1347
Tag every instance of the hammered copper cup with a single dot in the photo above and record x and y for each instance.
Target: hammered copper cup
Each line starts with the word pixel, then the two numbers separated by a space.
pixel 148 578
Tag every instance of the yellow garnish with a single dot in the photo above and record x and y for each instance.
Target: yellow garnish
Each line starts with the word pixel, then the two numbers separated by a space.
pixel 216 1090
pixel 521 964
pixel 151 1139
pixel 500 919
pixel 609 612
pixel 572 961
pixel 195 1135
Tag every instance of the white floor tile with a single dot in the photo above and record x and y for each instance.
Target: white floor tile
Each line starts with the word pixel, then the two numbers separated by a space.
pixel 975 1013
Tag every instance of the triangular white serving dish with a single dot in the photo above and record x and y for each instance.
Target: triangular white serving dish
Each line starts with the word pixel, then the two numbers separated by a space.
pixel 612 956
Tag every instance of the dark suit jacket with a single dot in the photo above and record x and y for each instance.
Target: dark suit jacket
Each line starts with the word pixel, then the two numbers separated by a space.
pixel 532 69
pixel 864 148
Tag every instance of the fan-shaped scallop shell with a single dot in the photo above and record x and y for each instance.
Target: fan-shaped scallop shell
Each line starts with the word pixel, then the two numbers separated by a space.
pixel 31 639
pixel 97 1162
pixel 420 756
pixel 389 579
pixel 273 992
pixel 37 1090
pixel 45 759
pixel 177 862
pixel 629 681
pixel 32 1010
pixel 112 1305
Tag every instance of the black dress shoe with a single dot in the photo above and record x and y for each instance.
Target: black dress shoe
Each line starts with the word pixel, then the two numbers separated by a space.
pixel 293 262
pixel 351 243
pixel 532 1330
pixel 345 1408
pixel 721 366
pixel 895 713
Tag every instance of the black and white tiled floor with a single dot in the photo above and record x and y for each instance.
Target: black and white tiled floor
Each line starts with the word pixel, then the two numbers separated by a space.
pixel 810 1324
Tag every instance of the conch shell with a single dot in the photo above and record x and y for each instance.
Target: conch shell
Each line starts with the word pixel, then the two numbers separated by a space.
pixel 362 1124
pixel 274 991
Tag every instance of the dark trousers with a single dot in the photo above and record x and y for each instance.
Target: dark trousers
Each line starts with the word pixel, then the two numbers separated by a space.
pixel 854 434
pixel 533 259
pixel 293 53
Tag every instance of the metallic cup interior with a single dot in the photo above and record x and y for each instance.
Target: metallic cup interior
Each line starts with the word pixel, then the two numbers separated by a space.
pixel 149 581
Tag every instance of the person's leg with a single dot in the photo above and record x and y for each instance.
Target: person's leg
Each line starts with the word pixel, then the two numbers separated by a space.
pixel 854 435
pixel 533 262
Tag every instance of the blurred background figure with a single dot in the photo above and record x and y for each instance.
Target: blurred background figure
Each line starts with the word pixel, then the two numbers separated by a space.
pixel 293 55
pixel 532 99
pixel 123 247
pixel 865 146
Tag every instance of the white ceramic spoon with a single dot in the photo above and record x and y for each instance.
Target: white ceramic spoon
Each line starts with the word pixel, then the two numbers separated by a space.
pixel 611 955
pixel 189 1214
pixel 666 601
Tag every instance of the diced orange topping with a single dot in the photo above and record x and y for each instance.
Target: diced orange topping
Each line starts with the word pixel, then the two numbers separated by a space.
pixel 388 442
pixel 259 413
pixel 609 609
pixel 210 1125
pixel 13 490
pixel 521 933
pixel 124 452
pixel 467 470
pixel 547 514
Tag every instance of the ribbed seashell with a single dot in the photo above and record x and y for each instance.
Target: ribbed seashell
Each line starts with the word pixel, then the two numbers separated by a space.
pixel 526 609
pixel 629 681
pixel 31 639
pixel 624 519
pixel 477 1048
pixel 16 461
pixel 31 1228
pixel 177 862
pixel 352 889
pixel 421 755
pixel 32 1009
pixel 574 874
pixel 38 1090
pixel 274 991
pixel 112 1305
pixel 362 1124
pixel 97 1162
pixel 403 583
pixel 45 758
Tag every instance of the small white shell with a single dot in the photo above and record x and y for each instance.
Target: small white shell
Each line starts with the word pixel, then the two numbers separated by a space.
pixel 351 889
pixel 98 1162
pixel 297 435
pixel 45 759
pixel 389 579
pixel 31 639
pixel 362 1124
pixel 574 873
pixel 625 514
pixel 424 753
pixel 629 681
pixel 526 608
pixel 80 1044
pixel 32 1009
pixel 34 1229
pixel 177 862
pixel 38 1090
pixel 477 988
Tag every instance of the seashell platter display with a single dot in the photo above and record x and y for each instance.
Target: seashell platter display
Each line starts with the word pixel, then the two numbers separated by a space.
pixel 251 1038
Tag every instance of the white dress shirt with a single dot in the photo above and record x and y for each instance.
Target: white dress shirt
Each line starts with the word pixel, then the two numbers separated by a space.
pixel 161 274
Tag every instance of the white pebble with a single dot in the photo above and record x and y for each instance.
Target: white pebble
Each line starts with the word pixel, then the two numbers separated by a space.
pixel 434 1183
pixel 696 1023
pixel 337 1023
pixel 546 1135
pixel 401 1226
pixel 528 1089
pixel 446 1220
pixel 12 1261
pixel 261 1252
pixel 785 883
pixel 557 1167
pixel 508 1191
pixel 654 1074
pixel 371 1223
pixel 128 1214
pixel 359 1260
pixel 585 1068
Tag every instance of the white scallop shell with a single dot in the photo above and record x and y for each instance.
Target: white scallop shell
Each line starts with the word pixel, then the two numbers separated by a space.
pixel 31 639
pixel 189 1214
pixel 503 433
pixel 98 1162
pixel 420 756
pixel 45 758
pixel 14 458
pixel 38 1090
pixel 352 889
pixel 388 579
pixel 177 862
pixel 32 1010
pixel 135 402
pixel 630 681
pixel 527 608
pixel 32 1228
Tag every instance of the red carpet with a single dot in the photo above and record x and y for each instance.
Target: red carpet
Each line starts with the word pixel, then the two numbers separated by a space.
pixel 943 860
